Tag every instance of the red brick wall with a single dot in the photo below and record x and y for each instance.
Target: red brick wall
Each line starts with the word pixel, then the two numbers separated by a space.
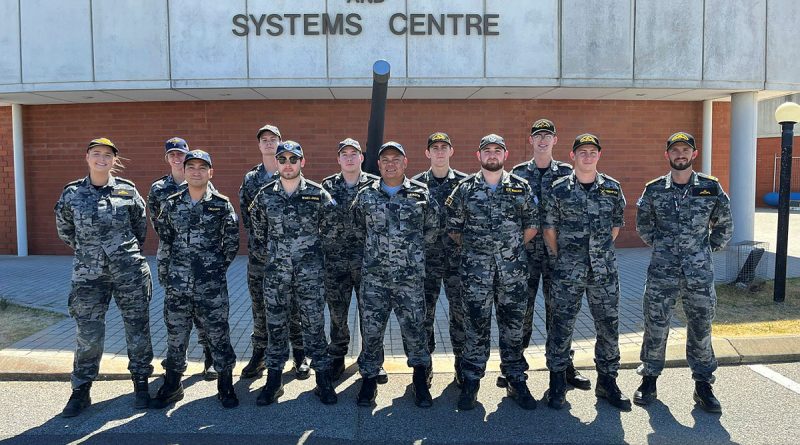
pixel 8 220
pixel 632 132
pixel 766 150
pixel 721 139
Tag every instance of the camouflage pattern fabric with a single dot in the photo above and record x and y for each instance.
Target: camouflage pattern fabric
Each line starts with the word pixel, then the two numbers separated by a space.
pixel 291 229
pixel 160 190
pixel 395 232
pixel 106 227
pixel 586 263
pixel 494 267
pixel 203 240
pixel 257 259
pixel 343 259
pixel 683 225
pixel 441 266
pixel 538 259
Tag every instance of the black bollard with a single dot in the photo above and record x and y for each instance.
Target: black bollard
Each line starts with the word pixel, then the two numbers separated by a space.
pixel 377 115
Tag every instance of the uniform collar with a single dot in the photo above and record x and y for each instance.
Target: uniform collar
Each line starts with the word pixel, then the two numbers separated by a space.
pixel 405 185
pixel 505 179
pixel 112 182
pixel 599 180
pixel 694 180
pixel 450 174
pixel 552 167
pixel 278 187
pixel 188 198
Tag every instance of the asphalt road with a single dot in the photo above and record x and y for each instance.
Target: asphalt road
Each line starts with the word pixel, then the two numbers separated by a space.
pixel 756 410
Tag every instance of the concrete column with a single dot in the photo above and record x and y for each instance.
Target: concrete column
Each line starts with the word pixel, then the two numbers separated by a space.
pixel 708 116
pixel 19 180
pixel 744 123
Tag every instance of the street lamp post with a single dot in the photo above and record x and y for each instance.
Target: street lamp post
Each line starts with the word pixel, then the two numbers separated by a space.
pixel 787 115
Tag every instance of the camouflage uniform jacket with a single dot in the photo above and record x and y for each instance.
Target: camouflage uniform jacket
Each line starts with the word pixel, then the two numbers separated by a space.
pixel 584 221
pixel 492 224
pixel 291 228
pixel 396 230
pixel 98 222
pixel 343 248
pixel 440 192
pixel 685 225
pixel 203 237
pixel 161 189
pixel 254 179
pixel 541 183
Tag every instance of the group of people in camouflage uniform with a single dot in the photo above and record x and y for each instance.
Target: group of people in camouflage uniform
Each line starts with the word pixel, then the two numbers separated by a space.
pixel 489 239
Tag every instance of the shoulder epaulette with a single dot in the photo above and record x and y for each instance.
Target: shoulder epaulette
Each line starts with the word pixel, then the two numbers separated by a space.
pixel 609 178
pixel 521 165
pixel 125 181
pixel 471 176
pixel 176 194
pixel 329 178
pixel 418 183
pixel 254 168
pixel 703 175
pixel 159 179
pixel 75 182
pixel 563 164
pixel 653 181
pixel 313 184
pixel 518 178
pixel 371 176
pixel 560 180
pixel 418 176
pixel 459 174
pixel 220 195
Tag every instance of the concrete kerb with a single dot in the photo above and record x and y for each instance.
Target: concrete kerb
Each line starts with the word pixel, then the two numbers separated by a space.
pixel 56 366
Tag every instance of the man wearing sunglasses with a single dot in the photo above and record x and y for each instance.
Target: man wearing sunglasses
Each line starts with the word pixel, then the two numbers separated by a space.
pixel 344 254
pixel 290 217
pixel 269 137
pixel 540 172
pixel 397 220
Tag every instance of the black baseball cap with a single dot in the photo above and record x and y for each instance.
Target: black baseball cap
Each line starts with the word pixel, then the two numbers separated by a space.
pixel 102 141
pixel 271 128
pixel 439 137
pixel 543 125
pixel 198 154
pixel 289 147
pixel 492 139
pixel 392 144
pixel 681 136
pixel 586 139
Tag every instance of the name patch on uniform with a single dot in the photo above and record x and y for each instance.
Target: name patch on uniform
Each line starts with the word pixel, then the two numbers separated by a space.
pixel 310 198
pixel 123 193
pixel 610 192
pixel 705 191
pixel 415 195
pixel 513 189
pixel 214 209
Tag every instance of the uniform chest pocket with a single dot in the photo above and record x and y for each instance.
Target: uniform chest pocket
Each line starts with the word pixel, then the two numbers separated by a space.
pixel 605 209
pixel 701 206
pixel 411 212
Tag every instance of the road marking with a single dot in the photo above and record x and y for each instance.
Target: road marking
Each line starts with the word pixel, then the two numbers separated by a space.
pixel 776 377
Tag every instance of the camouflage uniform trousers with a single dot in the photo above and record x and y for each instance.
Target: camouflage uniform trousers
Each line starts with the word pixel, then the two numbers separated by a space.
pixel 255 283
pixel 162 264
pixel 380 295
pixel 339 285
pixel 130 284
pixel 602 295
pixel 435 276
pixel 285 287
pixel 661 293
pixel 207 303
pixel 509 299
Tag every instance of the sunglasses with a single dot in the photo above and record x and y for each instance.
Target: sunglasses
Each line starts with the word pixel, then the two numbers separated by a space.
pixel 292 160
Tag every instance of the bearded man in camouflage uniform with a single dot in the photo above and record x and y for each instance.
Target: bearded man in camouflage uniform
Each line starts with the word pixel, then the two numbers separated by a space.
pixel 684 216
pixel 201 230
pixel 582 217
pixel 491 215
pixel 397 219
pixel 343 253
pixel 443 258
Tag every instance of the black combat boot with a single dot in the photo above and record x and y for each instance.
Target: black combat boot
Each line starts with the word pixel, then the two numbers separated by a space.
pixel 646 393
pixel 208 365
pixel 420 385
pixel 337 368
pixel 141 392
pixel 469 394
pixel 501 381
pixel 429 375
pixel 704 396
pixel 368 391
pixel 324 389
pixel 171 391
pixel 301 365
pixel 575 379
pixel 255 367
pixel 78 400
pixel 225 391
pixel 519 392
pixel 272 389
pixel 607 389
pixel 557 393
pixel 459 377
pixel 383 377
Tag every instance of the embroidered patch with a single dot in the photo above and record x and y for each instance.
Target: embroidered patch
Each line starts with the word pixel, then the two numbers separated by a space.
pixel 609 192
pixel 310 198
pixel 514 189
pixel 705 192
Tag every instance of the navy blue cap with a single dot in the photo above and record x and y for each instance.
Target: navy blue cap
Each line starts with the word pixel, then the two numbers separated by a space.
pixel 492 139
pixel 289 147
pixel 198 154
pixel 392 144
pixel 174 144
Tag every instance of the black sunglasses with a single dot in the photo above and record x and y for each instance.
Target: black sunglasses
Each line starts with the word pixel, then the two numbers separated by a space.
pixel 292 160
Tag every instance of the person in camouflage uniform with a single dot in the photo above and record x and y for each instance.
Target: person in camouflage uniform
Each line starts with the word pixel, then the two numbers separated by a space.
pixel 269 137
pixel 201 230
pixel 397 220
pixel 540 172
pixel 102 218
pixel 160 190
pixel 491 214
pixel 290 217
pixel 582 217
pixel 343 254
pixel 443 258
pixel 684 216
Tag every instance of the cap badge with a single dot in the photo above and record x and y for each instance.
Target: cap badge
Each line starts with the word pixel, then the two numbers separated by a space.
pixel 589 139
